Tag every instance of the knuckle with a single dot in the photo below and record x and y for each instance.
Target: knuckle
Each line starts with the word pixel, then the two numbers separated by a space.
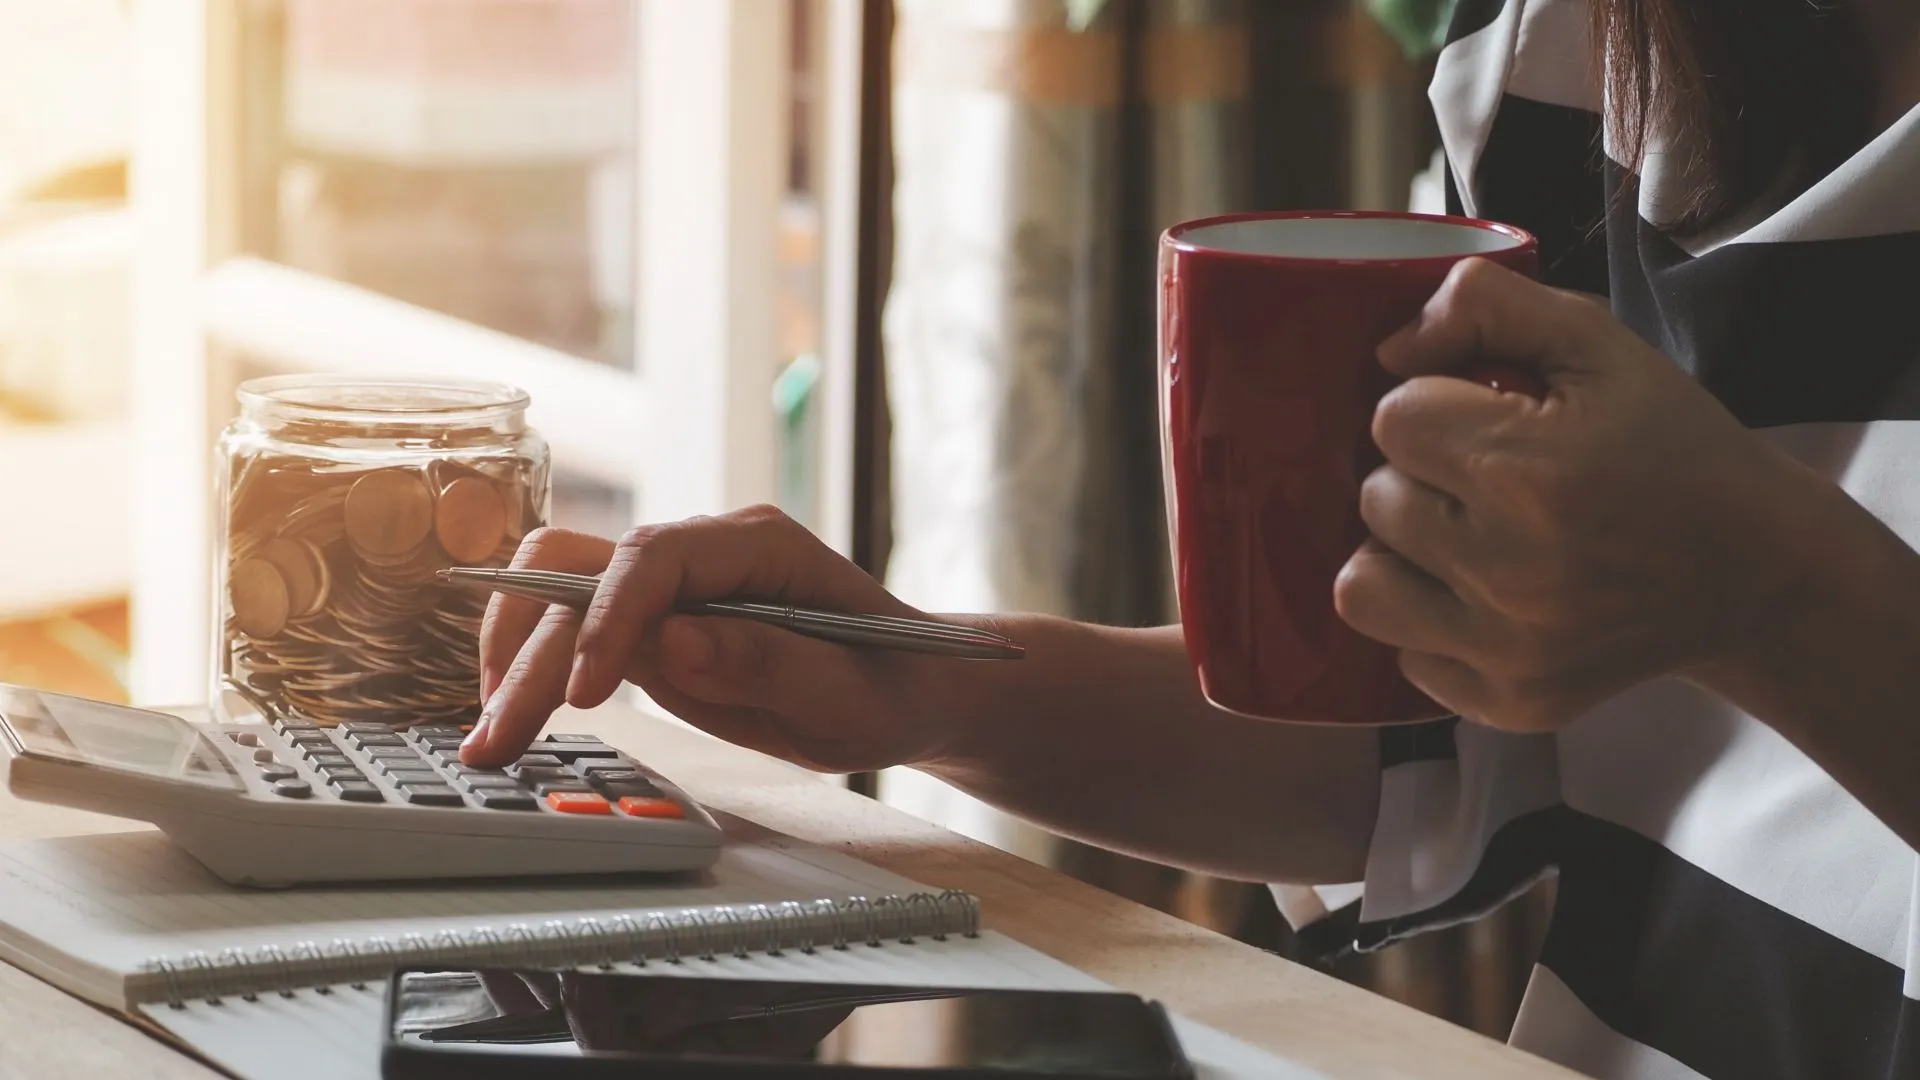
pixel 541 542
pixel 762 514
pixel 1378 494
pixel 1471 277
pixel 641 535
pixel 1351 589
pixel 1391 420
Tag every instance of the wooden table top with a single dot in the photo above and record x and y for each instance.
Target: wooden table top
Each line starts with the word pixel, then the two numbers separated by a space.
pixel 1290 1010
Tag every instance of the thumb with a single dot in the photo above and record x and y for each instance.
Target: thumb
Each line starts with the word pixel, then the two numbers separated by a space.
pixel 1492 325
pixel 724 661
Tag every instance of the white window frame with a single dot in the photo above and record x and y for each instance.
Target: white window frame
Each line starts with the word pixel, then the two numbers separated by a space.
pixel 690 431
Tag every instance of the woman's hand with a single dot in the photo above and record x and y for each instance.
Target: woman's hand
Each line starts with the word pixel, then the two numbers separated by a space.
pixel 1531 558
pixel 809 701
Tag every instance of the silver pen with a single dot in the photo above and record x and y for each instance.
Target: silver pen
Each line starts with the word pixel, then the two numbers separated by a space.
pixel 878 631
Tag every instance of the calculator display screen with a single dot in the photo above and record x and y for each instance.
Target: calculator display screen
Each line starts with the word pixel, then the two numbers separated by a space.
pixel 114 737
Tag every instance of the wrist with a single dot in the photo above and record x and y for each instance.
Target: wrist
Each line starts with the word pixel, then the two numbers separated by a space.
pixel 958 702
pixel 1828 571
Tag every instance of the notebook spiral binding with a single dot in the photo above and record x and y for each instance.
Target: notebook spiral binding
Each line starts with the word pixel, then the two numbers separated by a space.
pixel 704 933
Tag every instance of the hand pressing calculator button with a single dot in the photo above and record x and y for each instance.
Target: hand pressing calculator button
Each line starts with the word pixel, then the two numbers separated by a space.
pixel 292 802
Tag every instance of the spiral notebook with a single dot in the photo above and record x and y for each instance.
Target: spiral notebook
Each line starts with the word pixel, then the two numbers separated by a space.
pixel 291 983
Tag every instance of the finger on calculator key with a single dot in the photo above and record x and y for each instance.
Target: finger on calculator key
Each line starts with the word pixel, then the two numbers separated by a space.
pixel 534 685
pixel 510 620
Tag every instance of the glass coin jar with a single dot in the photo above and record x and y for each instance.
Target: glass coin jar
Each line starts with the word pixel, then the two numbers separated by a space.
pixel 339 499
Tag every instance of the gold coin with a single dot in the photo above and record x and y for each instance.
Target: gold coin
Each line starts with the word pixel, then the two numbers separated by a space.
pixel 259 597
pixel 388 513
pixel 300 568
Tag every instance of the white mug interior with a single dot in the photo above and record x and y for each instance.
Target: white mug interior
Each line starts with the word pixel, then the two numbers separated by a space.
pixel 1339 237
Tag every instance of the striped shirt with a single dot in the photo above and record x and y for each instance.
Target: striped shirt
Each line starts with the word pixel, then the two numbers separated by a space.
pixel 1725 909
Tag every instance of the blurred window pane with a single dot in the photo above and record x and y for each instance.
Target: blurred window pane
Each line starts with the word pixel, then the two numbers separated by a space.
pixel 473 157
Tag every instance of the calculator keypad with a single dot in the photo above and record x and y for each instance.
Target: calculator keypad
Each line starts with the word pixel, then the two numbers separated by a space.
pixel 363 762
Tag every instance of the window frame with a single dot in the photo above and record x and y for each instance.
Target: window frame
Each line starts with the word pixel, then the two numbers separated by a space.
pixel 685 438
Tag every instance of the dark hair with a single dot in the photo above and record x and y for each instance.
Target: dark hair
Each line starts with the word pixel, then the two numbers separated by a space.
pixel 1745 94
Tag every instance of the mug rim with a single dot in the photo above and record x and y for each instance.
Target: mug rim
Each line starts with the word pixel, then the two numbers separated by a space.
pixel 1175 237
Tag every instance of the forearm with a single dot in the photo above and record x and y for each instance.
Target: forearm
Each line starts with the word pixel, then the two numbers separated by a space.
pixel 1101 734
pixel 1836 666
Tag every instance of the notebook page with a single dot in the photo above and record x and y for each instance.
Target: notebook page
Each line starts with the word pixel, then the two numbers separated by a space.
pixel 75 907
pixel 312 1036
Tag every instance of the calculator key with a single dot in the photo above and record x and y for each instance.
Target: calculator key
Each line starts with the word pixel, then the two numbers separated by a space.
pixel 414 776
pixel 428 731
pixel 265 755
pixel 586 766
pixel 458 769
pixel 641 807
pixel 578 802
pixel 431 795
pixel 570 752
pixel 534 774
pixel 367 728
pixel 393 752
pixel 366 742
pixel 540 761
pixel 294 724
pixel 325 758
pixel 245 738
pixel 293 789
pixel 350 772
pixel 626 773
pixel 309 738
pixel 277 772
pixel 358 791
pixel 574 738
pixel 442 742
pixel 477 781
pixel 562 787
pixel 616 792
pixel 494 799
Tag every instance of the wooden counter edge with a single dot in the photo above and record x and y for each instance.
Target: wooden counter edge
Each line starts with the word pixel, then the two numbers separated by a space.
pixel 1298 1014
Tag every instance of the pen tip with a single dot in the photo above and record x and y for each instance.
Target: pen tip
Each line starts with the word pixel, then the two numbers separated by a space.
pixel 443 575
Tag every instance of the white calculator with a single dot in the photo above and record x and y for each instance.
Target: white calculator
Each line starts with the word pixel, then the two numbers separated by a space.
pixel 288 802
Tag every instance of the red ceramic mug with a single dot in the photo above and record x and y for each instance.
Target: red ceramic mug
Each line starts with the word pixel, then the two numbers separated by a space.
pixel 1268 328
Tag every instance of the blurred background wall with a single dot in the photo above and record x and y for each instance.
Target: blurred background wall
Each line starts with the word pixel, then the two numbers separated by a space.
pixel 950 206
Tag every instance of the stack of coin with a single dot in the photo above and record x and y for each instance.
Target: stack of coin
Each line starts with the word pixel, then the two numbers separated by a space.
pixel 333 611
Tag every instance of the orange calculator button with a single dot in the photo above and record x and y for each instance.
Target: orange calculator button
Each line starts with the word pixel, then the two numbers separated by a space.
pixel 578 802
pixel 637 806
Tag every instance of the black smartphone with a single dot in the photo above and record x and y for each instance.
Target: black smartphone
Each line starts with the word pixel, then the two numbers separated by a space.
pixel 484 1024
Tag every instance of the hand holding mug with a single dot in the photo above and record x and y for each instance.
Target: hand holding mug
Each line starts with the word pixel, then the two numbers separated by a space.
pixel 1530 558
